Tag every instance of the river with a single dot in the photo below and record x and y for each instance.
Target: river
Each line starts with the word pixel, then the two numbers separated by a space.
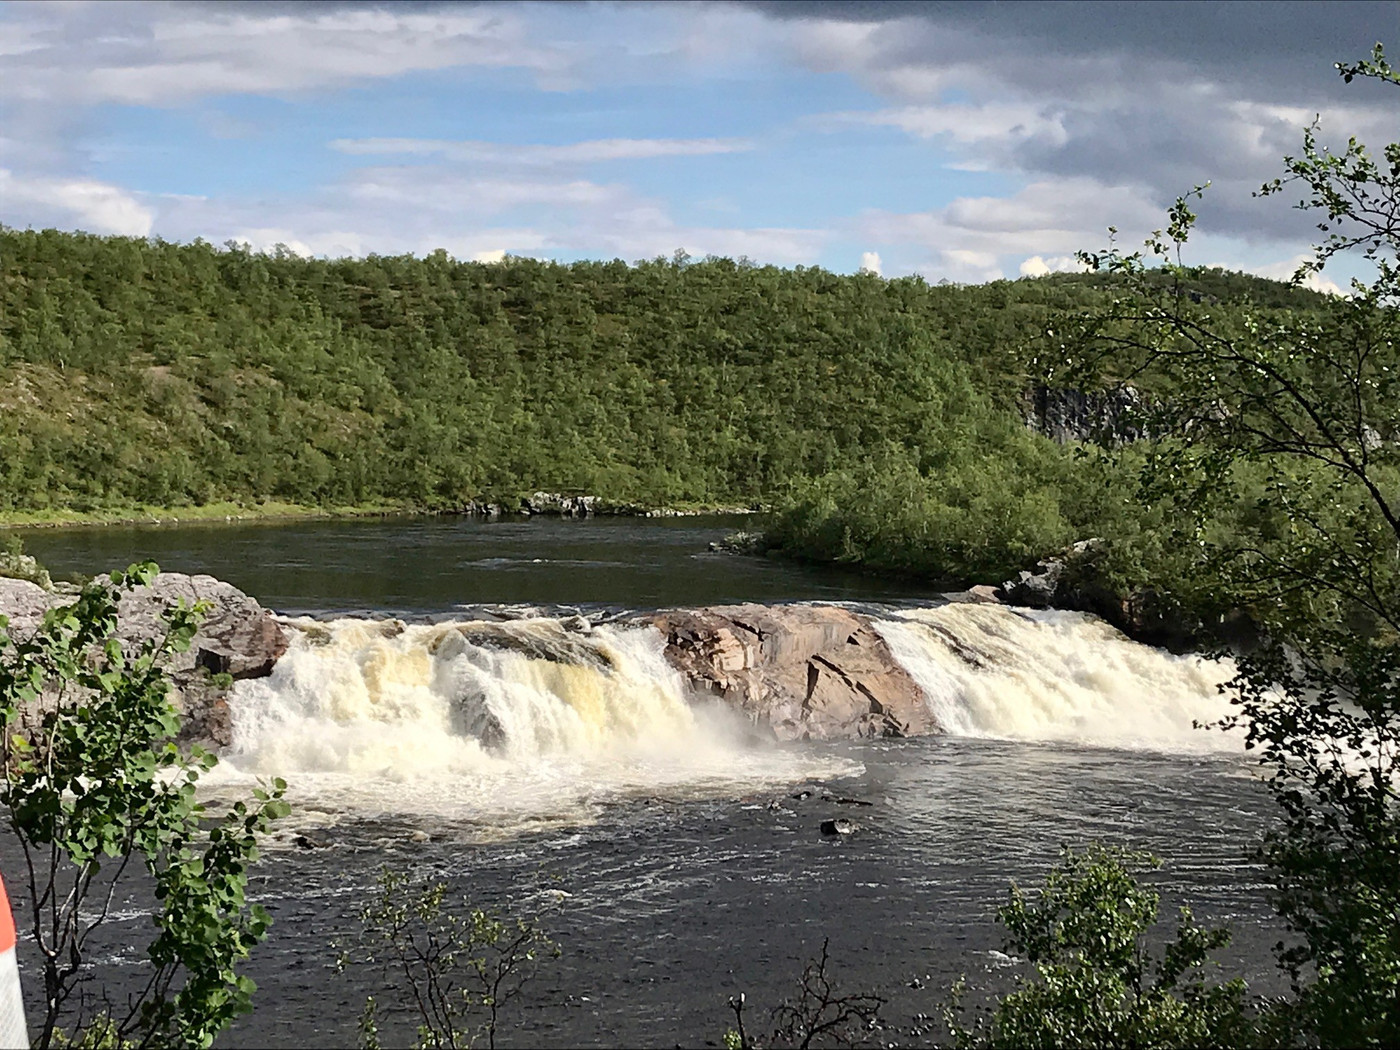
pixel 677 862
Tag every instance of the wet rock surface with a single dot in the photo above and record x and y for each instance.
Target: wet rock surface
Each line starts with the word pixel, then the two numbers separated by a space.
pixel 802 672
pixel 237 638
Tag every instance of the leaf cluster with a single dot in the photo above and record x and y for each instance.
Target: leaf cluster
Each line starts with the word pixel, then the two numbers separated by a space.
pixel 93 782
pixel 1095 980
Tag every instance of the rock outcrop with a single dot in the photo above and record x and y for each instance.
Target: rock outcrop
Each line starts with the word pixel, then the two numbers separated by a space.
pixel 1066 416
pixel 24 603
pixel 805 672
pixel 1076 580
pixel 560 505
pixel 237 637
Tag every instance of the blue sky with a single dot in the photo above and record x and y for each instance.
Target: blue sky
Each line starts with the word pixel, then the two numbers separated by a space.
pixel 959 141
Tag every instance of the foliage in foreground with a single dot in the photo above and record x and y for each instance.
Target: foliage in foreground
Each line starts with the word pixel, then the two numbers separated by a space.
pixel 820 1015
pixel 94 786
pixel 1097 982
pixel 1311 405
pixel 461 967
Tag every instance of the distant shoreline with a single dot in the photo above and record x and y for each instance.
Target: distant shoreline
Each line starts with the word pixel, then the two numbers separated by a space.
pixel 272 511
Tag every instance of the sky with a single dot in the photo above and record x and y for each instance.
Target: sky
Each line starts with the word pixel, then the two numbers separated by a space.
pixel 958 141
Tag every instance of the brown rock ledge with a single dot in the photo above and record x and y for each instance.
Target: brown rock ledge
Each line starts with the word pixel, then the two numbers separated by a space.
pixel 805 672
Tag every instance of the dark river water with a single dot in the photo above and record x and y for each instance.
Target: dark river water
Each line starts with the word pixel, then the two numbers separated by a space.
pixel 672 882
pixel 437 564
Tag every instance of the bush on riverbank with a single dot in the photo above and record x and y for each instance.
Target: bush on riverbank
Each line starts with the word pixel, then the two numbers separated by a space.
pixel 92 782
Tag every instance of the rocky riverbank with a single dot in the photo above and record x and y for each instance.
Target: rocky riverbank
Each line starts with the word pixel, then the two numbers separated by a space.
pixel 238 638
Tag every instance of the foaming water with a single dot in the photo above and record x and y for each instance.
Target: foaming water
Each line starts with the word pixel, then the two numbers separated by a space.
pixel 499 724
pixel 1018 674
pixel 503 726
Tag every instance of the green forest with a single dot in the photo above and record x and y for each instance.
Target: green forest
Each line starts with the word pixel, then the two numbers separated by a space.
pixel 139 374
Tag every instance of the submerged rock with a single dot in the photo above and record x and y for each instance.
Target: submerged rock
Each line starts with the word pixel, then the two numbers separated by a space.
pixel 805 672
pixel 839 826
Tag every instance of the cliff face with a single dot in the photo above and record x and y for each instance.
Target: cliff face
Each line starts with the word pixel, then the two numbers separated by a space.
pixel 1066 416
pixel 805 672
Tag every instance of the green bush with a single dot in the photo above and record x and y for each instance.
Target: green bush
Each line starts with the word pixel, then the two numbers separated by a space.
pixel 94 784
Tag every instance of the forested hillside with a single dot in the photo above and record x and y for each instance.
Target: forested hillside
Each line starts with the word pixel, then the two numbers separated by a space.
pixel 136 372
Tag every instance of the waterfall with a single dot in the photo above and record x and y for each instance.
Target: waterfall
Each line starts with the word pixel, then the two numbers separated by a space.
pixel 547 718
pixel 477 720
pixel 1045 675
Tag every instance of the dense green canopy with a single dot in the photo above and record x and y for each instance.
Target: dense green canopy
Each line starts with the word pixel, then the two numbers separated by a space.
pixel 140 372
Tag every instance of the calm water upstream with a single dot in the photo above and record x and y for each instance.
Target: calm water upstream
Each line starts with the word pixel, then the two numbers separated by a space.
pixel 677 861
pixel 434 565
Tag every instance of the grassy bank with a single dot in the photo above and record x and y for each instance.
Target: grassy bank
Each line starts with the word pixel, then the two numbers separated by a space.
pixel 273 510
pixel 212 512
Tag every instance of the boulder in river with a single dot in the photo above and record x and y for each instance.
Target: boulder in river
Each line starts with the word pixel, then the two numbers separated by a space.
pixel 805 672
pixel 237 637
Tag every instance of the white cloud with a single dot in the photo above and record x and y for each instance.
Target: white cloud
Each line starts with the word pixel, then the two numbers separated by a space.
pixel 962 267
pixel 964 124
pixel 495 255
pixel 422 208
pixel 1046 218
pixel 1038 266
pixel 870 263
pixel 587 152
pixel 267 238
pixel 447 190
pixel 1286 268
pixel 166 55
pixel 86 203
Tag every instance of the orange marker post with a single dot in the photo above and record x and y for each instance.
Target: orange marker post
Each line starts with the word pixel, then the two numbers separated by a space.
pixel 14 1033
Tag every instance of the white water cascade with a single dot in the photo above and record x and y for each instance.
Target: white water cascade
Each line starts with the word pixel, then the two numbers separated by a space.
pixel 535 719
pixel 491 721
pixel 1021 674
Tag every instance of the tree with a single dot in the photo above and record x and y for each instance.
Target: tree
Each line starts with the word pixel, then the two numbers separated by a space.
pixel 820 1015
pixel 1303 410
pixel 460 967
pixel 1096 983
pixel 94 784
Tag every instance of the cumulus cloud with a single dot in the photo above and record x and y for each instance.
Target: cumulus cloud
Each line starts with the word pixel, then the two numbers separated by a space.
pixel 870 263
pixel 85 203
pixel 1050 217
pixel 1037 266
pixel 960 266
pixel 1286 268
pixel 1159 97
